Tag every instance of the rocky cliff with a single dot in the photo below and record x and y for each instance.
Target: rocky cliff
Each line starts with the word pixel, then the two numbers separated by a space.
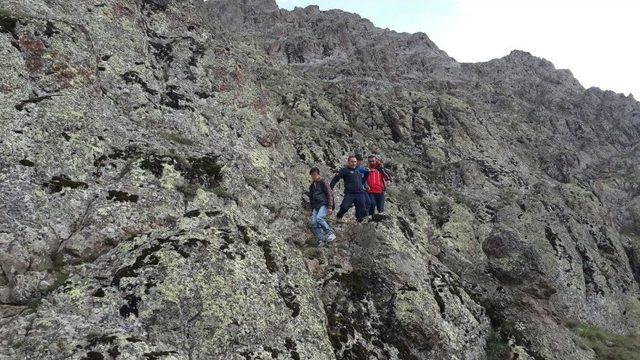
pixel 154 158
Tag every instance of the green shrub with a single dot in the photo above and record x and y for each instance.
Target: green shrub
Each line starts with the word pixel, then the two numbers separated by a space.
pixel 497 348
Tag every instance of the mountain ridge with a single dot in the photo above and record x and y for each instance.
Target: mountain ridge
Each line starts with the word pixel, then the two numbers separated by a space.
pixel 155 156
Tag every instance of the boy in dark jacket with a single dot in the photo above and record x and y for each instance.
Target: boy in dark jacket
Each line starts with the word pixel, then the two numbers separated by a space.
pixel 353 189
pixel 377 180
pixel 321 201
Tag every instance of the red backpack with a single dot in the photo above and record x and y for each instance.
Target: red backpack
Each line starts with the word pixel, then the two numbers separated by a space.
pixel 376 181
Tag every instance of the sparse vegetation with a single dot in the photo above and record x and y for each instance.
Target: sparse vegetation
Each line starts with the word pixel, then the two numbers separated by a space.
pixel 176 138
pixel 224 193
pixel 34 304
pixel 301 123
pixel 60 278
pixel 7 21
pixel 188 190
pixel 254 181
pixel 606 344
pixel 497 348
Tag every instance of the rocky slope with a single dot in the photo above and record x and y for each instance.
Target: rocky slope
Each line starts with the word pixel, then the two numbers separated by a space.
pixel 154 158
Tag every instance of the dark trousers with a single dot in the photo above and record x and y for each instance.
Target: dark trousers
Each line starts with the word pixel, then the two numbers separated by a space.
pixel 376 200
pixel 360 200
pixel 366 202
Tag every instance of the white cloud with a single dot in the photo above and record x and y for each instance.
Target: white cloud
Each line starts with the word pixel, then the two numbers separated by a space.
pixel 596 40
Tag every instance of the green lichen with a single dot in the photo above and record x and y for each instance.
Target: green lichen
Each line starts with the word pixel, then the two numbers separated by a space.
pixel 77 292
pixel 436 155
pixel 260 160
pixel 202 124
pixel 451 103
pixel 458 231
pixel 171 178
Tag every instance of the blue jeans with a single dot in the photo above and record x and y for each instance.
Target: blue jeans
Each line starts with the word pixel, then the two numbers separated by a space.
pixel 376 200
pixel 319 225
pixel 360 199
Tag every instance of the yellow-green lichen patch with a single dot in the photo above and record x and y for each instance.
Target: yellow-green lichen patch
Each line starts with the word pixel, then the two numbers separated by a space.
pixel 171 178
pixel 458 232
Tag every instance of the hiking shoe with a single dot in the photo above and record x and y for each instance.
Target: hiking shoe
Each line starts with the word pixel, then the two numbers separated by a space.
pixel 322 244
pixel 331 237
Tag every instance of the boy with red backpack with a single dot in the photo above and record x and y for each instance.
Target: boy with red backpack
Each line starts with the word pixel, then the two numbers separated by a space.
pixel 377 181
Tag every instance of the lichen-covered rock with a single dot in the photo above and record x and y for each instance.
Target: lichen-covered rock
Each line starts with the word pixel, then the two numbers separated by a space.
pixel 154 157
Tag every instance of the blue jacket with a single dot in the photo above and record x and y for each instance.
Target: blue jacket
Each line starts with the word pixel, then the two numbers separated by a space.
pixel 353 180
pixel 362 170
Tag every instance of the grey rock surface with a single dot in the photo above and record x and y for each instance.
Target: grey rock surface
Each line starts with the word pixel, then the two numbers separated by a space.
pixel 154 158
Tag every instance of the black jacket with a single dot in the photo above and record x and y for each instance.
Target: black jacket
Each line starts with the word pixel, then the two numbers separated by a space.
pixel 320 195
pixel 353 180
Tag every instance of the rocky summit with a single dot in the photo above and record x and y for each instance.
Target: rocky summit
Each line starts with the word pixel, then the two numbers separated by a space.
pixel 154 161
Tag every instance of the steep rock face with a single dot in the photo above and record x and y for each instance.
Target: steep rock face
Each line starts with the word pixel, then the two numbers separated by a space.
pixel 155 155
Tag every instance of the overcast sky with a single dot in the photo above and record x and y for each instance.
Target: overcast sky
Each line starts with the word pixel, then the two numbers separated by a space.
pixel 599 41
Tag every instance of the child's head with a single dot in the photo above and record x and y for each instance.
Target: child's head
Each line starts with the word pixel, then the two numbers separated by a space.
pixel 315 174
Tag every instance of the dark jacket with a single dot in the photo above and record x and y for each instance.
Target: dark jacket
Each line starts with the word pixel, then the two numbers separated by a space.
pixel 320 194
pixel 353 180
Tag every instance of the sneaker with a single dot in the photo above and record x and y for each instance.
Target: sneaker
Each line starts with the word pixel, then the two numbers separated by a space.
pixel 322 244
pixel 331 237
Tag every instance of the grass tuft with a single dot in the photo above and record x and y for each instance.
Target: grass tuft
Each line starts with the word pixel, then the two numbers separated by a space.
pixel 606 344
